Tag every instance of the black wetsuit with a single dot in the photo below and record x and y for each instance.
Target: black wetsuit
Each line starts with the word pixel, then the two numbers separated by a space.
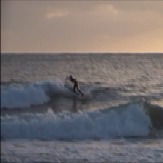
pixel 76 86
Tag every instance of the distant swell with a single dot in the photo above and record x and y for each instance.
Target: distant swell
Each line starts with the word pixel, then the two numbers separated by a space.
pixel 127 120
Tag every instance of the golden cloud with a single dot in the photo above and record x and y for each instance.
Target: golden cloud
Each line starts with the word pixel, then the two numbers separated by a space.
pixel 55 14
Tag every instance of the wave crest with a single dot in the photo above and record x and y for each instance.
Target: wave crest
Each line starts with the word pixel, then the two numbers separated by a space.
pixel 127 120
pixel 25 95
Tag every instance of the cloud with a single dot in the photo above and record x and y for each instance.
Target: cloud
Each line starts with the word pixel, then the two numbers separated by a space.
pixel 106 9
pixel 55 14
pixel 80 26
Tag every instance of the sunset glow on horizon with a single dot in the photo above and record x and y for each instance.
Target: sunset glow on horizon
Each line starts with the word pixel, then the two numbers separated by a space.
pixel 81 26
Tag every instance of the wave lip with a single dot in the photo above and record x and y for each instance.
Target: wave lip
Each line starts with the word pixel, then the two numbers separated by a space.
pixel 123 121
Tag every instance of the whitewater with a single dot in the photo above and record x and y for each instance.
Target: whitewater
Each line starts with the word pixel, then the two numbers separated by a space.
pixel 120 118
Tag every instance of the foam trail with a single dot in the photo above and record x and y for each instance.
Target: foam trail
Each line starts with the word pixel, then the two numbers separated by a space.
pixel 128 120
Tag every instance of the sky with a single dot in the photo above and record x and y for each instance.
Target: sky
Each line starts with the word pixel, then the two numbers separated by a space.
pixel 81 26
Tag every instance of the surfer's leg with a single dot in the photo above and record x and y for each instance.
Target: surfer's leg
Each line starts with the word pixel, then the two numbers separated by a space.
pixel 74 89
pixel 80 91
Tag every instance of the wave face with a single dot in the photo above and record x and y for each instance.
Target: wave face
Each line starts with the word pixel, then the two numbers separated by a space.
pixel 127 120
pixel 25 95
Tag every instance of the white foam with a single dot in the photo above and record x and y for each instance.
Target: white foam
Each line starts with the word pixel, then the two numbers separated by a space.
pixel 116 150
pixel 20 96
pixel 128 120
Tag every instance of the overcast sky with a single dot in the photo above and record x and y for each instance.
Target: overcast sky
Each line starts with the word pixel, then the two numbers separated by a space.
pixel 81 26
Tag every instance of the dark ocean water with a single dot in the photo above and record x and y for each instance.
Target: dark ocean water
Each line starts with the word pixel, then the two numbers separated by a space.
pixel 121 90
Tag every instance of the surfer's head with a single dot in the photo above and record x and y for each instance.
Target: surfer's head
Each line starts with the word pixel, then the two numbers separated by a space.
pixel 71 77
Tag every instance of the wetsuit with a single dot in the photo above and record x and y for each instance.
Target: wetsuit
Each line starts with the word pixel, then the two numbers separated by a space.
pixel 76 85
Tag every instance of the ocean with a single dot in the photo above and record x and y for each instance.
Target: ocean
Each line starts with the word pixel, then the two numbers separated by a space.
pixel 119 118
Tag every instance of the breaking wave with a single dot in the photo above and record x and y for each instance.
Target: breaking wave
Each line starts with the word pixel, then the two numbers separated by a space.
pixel 126 120
pixel 25 95
pixel 132 119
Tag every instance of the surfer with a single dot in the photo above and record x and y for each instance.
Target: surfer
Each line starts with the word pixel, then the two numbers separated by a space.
pixel 76 84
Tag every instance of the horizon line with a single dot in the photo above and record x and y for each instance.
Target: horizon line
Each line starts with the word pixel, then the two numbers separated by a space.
pixel 79 52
